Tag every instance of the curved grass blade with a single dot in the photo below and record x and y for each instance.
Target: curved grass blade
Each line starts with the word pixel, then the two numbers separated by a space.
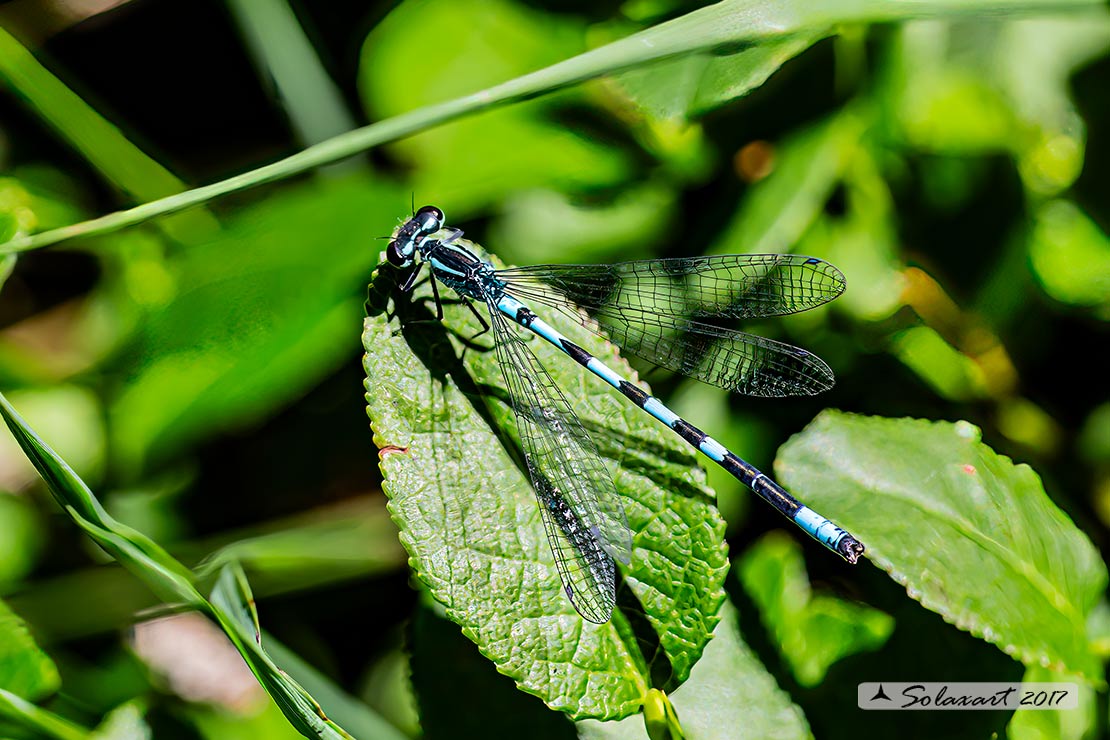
pixel 732 25
pixel 171 580
pixel 111 154
pixel 43 723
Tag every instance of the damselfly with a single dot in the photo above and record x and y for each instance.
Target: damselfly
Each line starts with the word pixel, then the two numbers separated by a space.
pixel 662 310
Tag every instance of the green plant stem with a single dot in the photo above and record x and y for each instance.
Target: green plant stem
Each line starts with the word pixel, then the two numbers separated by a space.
pixel 727 25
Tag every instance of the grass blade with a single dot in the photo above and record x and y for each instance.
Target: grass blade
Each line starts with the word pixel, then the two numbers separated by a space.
pixel 729 25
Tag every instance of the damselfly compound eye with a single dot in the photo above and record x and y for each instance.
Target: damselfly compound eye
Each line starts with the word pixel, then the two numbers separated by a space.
pixel 430 219
pixel 396 255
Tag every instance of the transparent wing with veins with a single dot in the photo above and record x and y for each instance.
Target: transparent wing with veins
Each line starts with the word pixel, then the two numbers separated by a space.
pixel 667 311
pixel 582 514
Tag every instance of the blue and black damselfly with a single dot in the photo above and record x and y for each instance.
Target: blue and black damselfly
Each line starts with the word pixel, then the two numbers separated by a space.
pixel 667 311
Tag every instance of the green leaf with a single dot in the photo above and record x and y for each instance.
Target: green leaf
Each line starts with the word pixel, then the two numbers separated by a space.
pixel 1070 256
pixel 730 696
pixel 813 631
pixel 520 147
pixel 998 87
pixel 541 226
pixel 1060 724
pixel 972 536
pixel 949 372
pixel 254 318
pixel 469 519
pixel 25 670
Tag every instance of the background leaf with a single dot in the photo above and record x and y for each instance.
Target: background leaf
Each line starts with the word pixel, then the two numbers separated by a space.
pixel 813 631
pixel 244 329
pixel 25 670
pixel 729 695
pixel 971 535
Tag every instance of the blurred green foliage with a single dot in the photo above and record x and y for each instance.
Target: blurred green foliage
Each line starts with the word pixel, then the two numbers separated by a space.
pixel 201 374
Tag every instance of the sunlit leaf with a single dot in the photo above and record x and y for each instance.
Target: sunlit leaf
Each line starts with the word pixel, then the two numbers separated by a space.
pixel 970 534
pixel 698 83
pixel 546 226
pixel 949 372
pixel 999 86
pixel 36 721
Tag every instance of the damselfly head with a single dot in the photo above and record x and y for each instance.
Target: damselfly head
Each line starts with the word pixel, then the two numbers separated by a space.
pixel 425 222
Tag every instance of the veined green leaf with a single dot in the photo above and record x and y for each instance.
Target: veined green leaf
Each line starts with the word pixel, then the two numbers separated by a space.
pixel 469 519
pixel 970 534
